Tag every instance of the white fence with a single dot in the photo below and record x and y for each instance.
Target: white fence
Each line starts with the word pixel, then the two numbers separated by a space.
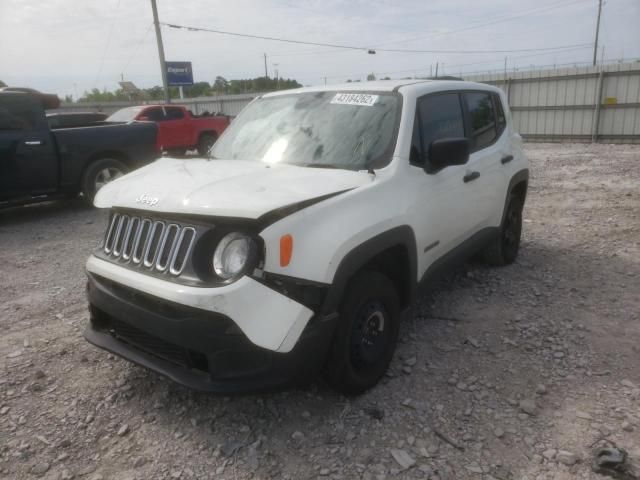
pixel 581 104
pixel 226 104
pixel 584 104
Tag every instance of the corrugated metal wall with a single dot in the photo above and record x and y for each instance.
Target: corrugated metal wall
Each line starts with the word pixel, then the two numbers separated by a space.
pixel 575 105
pixel 581 104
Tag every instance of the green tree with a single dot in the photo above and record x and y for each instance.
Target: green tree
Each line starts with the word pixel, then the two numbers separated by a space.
pixel 2 84
pixel 198 89
pixel 220 85
pixel 371 77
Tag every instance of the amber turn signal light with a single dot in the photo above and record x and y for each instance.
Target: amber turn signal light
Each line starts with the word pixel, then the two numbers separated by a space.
pixel 286 249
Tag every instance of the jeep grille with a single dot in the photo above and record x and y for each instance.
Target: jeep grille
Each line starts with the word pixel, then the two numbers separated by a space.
pixel 149 243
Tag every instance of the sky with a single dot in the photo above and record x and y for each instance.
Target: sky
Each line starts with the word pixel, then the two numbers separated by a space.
pixel 71 46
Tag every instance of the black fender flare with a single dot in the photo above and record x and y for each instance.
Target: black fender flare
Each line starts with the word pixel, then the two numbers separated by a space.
pixel 519 176
pixel 357 258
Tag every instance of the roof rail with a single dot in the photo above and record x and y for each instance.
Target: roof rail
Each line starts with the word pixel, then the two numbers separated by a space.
pixel 447 77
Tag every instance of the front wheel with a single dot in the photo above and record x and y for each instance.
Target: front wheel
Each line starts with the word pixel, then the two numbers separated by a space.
pixel 366 336
pixel 98 174
pixel 205 143
pixel 504 249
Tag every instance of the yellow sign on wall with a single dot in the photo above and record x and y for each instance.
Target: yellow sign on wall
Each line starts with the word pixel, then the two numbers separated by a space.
pixel 611 101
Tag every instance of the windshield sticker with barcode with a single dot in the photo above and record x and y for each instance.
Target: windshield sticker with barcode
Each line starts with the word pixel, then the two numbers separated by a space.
pixel 361 99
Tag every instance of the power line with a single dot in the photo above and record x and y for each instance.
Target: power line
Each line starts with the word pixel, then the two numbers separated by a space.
pixel 491 22
pixel 137 47
pixel 106 47
pixel 417 70
pixel 353 47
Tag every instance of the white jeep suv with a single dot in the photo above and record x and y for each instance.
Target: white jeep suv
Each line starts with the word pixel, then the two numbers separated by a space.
pixel 301 240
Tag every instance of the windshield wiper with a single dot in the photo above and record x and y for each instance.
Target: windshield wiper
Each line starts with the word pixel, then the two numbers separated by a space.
pixel 319 165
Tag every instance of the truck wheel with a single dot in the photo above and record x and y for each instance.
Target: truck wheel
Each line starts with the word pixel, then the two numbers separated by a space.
pixel 504 249
pixel 366 336
pixel 98 174
pixel 205 143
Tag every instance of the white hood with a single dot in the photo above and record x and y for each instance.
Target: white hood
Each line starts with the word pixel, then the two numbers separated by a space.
pixel 230 188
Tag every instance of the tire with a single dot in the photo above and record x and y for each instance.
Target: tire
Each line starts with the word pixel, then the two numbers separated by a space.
pixel 504 249
pixel 98 174
pixel 366 337
pixel 205 142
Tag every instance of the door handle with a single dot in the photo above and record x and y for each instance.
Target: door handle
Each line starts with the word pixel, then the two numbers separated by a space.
pixel 471 176
pixel 33 143
pixel 506 159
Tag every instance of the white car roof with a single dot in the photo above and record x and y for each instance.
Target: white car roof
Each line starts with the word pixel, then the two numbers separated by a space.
pixel 408 86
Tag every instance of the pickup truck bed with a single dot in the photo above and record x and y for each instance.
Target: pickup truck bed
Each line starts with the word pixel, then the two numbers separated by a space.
pixel 37 163
pixel 179 129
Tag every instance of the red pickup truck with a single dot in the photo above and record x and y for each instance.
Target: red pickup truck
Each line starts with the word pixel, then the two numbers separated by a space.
pixel 178 129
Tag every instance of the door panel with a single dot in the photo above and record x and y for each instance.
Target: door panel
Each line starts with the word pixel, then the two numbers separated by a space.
pixel 488 147
pixel 28 157
pixel 178 126
pixel 440 211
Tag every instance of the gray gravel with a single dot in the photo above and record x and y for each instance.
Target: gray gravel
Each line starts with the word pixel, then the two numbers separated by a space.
pixel 513 373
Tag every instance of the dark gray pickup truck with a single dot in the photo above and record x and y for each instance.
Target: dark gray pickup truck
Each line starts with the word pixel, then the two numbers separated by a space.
pixel 37 163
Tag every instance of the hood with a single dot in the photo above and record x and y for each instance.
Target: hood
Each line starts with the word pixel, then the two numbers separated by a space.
pixel 229 188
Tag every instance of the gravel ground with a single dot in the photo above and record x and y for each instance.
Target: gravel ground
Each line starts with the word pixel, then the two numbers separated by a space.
pixel 511 373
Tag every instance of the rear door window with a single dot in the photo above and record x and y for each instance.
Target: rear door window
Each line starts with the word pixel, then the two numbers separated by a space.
pixel 482 119
pixel 155 114
pixel 173 113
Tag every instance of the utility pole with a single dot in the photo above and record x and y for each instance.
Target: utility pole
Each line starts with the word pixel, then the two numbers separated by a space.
pixel 266 73
pixel 505 70
pixel 436 69
pixel 163 65
pixel 595 46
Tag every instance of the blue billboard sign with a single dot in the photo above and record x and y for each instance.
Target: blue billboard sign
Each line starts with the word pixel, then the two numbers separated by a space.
pixel 179 73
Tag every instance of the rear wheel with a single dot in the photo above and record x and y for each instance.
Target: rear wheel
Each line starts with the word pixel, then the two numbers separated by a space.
pixel 98 174
pixel 366 336
pixel 504 249
pixel 205 143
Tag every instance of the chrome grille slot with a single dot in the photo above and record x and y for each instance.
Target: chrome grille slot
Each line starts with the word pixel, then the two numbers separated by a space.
pixel 166 247
pixel 111 233
pixel 141 240
pixel 182 251
pixel 155 237
pixel 123 225
pixel 129 238
pixel 146 243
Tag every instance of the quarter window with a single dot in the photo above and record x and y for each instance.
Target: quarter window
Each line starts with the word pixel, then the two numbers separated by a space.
pixel 482 118
pixel 500 116
pixel 440 117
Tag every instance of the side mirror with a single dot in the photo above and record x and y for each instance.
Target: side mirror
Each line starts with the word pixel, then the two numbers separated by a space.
pixel 446 152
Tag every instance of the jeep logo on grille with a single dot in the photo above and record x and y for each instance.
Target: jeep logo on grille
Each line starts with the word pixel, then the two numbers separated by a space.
pixel 147 200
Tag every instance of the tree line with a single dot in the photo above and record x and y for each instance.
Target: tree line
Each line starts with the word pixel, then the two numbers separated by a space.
pixel 220 86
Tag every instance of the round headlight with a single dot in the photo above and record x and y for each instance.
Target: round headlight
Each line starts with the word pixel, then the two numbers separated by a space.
pixel 232 255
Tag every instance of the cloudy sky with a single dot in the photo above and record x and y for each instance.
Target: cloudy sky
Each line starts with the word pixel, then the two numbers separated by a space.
pixel 69 46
